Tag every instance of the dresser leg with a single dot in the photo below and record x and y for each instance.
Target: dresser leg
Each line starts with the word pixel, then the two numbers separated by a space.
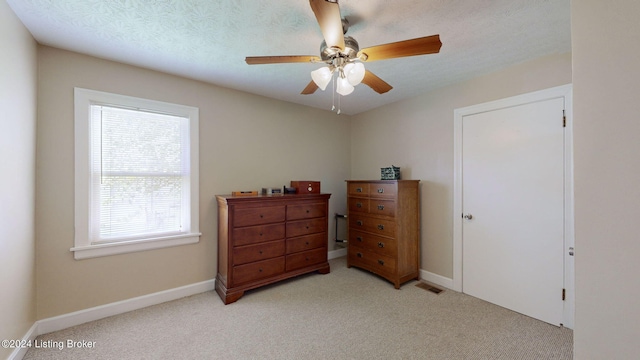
pixel 231 298
pixel 325 270
pixel 226 296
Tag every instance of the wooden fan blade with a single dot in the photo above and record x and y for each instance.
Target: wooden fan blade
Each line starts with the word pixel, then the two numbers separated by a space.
pixel 328 16
pixel 419 46
pixel 310 89
pixel 378 85
pixel 258 60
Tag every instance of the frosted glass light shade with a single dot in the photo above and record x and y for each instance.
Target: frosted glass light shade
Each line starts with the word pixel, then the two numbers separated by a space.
pixel 354 73
pixel 321 77
pixel 344 88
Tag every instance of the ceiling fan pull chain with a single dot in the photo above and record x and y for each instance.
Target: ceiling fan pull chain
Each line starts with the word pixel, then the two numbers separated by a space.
pixel 333 93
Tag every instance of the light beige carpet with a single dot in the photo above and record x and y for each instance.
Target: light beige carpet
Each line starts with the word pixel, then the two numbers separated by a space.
pixel 347 314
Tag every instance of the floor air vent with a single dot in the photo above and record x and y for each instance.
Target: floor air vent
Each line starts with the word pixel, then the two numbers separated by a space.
pixel 429 287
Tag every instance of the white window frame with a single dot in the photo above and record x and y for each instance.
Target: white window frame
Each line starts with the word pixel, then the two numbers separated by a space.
pixel 83 247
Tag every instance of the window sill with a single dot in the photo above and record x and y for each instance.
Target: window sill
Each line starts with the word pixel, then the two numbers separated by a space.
pixel 91 251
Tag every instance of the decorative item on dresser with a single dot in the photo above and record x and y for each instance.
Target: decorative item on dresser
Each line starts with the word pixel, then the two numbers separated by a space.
pixel 384 228
pixel 264 239
pixel 306 187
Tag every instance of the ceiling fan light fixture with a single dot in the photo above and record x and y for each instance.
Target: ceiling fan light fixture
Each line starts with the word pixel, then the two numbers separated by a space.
pixel 344 87
pixel 321 77
pixel 354 73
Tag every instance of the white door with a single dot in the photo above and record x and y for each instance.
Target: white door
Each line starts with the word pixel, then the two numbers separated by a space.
pixel 513 208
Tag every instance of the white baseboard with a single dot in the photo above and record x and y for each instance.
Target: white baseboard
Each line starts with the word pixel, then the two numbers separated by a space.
pixel 337 253
pixel 20 352
pixel 99 312
pixel 436 279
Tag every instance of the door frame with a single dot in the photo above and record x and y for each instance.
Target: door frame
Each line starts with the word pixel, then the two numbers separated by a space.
pixel 565 92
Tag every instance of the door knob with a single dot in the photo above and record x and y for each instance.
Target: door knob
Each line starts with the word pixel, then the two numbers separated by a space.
pixel 467 217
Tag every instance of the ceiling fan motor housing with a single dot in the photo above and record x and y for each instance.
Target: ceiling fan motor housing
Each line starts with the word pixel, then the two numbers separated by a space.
pixel 350 51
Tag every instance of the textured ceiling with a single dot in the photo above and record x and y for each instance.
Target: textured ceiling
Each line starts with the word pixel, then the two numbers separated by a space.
pixel 208 40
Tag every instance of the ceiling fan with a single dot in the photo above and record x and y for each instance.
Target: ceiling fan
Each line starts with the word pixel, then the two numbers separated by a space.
pixel 344 57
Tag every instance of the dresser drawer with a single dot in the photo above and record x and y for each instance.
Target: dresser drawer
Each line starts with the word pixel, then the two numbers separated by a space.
pixel 358 204
pixel 257 270
pixel 382 207
pixel 379 244
pixel 383 189
pixel 306 227
pixel 306 211
pixel 372 261
pixel 358 189
pixel 303 243
pixel 372 225
pixel 306 258
pixel 257 252
pixel 257 234
pixel 258 215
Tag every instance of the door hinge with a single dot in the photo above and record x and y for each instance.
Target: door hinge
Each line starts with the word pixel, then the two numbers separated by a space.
pixel 564 294
pixel 564 119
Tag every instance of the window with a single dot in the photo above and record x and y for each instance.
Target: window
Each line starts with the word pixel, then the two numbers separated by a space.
pixel 136 174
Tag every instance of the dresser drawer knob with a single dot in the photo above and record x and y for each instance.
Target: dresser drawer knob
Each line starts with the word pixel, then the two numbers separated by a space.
pixel 261 216
pixel 381 262
pixel 307 227
pixel 260 270
pixel 359 205
pixel 380 190
pixel 306 243
pixel 359 255
pixel 260 252
pixel 359 190
pixel 359 238
pixel 359 222
pixel 380 207
pixel 380 244
pixel 308 211
pixel 380 227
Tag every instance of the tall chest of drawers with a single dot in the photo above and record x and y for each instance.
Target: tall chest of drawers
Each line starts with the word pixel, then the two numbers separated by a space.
pixel 265 239
pixel 384 228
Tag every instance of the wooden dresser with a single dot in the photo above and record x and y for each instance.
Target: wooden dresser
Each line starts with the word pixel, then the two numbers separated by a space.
pixel 268 238
pixel 384 228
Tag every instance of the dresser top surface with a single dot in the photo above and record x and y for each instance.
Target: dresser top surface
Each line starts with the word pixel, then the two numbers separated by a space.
pixel 382 181
pixel 272 197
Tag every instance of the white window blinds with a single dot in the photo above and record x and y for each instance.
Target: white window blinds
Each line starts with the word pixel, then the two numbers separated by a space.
pixel 139 174
pixel 136 174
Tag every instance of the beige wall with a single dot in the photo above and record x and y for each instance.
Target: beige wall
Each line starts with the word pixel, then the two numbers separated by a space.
pixel 417 135
pixel 246 142
pixel 18 76
pixel 606 78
